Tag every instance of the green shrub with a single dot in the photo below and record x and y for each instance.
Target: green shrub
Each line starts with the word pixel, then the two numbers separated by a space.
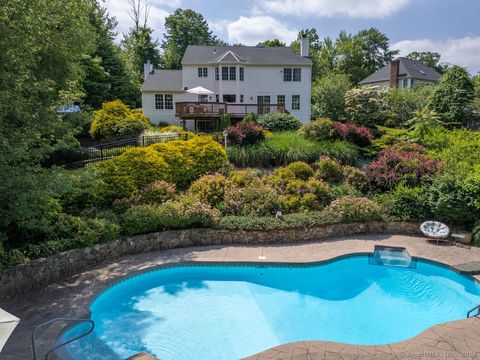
pixel 355 178
pixel 276 121
pixel 454 197
pixel 328 95
pixel 453 96
pixel 353 209
pixel 178 162
pixel 319 130
pixel 289 221
pixel 284 148
pixel 476 233
pixel 184 213
pixel 300 169
pixel 250 117
pixel 405 203
pixel 339 190
pixel 329 170
pixel 255 199
pixel 155 193
pixel 134 169
pixel 115 119
pixel 210 188
pixel 244 177
pixel 366 105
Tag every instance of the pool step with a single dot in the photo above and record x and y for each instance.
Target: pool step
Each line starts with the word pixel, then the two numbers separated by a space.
pixel 142 356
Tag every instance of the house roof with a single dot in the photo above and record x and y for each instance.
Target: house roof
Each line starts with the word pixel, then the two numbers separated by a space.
pixel 281 55
pixel 168 80
pixel 408 68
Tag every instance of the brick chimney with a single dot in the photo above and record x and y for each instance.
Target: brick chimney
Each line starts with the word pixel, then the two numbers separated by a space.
pixel 394 68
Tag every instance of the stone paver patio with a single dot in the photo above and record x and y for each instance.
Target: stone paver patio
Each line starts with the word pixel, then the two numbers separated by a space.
pixel 71 298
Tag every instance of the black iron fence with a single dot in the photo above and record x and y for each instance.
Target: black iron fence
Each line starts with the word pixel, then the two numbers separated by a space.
pixel 76 158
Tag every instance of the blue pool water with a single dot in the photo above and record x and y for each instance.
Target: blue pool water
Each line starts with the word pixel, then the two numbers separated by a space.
pixel 233 311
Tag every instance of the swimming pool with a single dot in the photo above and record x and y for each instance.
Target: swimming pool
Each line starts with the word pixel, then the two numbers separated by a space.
pixel 229 311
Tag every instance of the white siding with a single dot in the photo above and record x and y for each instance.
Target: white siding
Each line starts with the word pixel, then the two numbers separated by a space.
pixel 259 81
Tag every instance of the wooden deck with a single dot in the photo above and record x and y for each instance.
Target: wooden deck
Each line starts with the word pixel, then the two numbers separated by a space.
pixel 209 110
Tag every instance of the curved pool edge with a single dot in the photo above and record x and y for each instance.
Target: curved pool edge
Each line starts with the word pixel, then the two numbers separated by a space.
pixel 458 339
pixel 71 296
pixel 430 337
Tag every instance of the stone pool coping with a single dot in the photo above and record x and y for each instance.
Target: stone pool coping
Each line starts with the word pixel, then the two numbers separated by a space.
pixel 70 297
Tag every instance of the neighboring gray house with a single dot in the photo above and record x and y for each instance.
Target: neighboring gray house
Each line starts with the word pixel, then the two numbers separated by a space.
pixel 403 73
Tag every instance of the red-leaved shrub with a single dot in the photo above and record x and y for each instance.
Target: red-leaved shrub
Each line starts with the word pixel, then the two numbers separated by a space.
pixel 400 162
pixel 245 133
pixel 356 134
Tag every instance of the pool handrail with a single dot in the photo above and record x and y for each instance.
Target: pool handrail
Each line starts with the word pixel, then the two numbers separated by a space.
pixel 472 310
pixel 34 348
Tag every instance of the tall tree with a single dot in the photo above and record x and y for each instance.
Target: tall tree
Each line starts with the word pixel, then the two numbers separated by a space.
pixel 428 58
pixel 183 28
pixel 273 43
pixel 376 48
pixel 107 77
pixel 42 45
pixel 453 96
pixel 139 45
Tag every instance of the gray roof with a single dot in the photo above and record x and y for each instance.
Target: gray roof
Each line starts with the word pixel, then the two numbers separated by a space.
pixel 168 80
pixel 408 68
pixel 281 55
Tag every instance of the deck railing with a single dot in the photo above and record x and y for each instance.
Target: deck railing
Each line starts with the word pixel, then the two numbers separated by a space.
pixel 214 109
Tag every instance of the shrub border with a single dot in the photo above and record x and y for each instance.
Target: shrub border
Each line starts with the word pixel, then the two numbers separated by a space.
pixel 21 278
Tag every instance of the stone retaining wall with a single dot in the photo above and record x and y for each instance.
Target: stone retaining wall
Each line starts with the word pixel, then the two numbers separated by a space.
pixel 21 278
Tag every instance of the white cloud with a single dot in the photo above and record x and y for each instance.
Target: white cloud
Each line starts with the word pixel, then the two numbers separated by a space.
pixel 251 30
pixel 156 19
pixel 462 51
pixel 332 8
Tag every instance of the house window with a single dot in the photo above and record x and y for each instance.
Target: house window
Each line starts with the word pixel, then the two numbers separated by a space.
pixel 241 74
pixel 217 71
pixel 405 83
pixel 202 98
pixel 295 102
pixel 168 101
pixel 202 72
pixel 292 74
pixel 241 98
pixel 217 98
pixel 280 99
pixel 224 72
pixel 205 126
pixel 263 104
pixel 233 73
pixel 159 105
pixel 163 101
pixel 297 74
pixel 229 98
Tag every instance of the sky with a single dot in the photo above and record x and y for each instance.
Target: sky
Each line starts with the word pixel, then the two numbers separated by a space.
pixel 450 27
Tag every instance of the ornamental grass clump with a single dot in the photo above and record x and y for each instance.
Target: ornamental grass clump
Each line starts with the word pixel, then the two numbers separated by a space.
pixel 402 162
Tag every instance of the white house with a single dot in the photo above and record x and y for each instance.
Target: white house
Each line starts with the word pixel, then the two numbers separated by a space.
pixel 403 73
pixel 236 80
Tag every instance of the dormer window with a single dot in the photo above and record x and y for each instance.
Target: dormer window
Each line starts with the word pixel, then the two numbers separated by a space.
pixel 202 72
